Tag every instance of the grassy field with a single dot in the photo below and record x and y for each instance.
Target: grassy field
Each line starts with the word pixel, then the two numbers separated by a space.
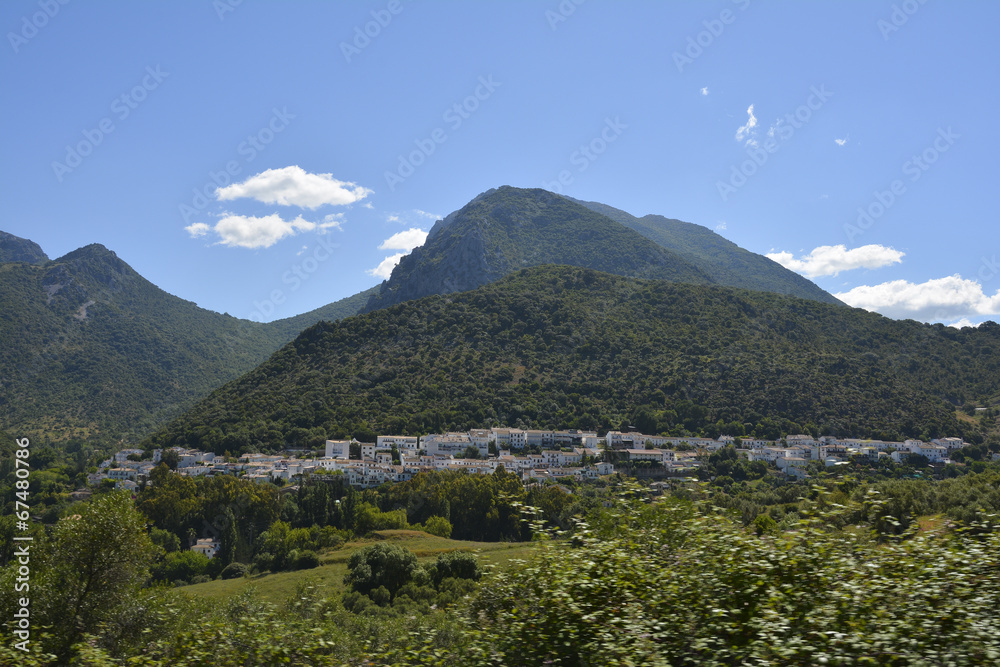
pixel 330 574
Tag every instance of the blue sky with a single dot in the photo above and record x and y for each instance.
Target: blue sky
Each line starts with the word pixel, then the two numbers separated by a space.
pixel 265 158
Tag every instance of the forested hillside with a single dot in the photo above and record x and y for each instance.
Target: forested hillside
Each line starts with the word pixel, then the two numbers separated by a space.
pixel 94 352
pixel 568 347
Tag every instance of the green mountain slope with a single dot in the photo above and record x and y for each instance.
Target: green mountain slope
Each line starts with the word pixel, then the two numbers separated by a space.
pixel 564 347
pixel 722 260
pixel 15 249
pixel 92 350
pixel 290 327
pixel 508 229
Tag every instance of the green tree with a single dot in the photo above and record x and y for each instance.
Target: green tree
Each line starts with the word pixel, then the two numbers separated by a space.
pixel 89 569
pixel 380 565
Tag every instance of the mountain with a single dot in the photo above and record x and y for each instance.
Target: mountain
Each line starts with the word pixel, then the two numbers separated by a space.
pixel 92 350
pixel 290 327
pixel 15 249
pixel 722 260
pixel 508 229
pixel 558 346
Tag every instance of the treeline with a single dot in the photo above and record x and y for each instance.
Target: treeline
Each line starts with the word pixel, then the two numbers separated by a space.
pixel 559 347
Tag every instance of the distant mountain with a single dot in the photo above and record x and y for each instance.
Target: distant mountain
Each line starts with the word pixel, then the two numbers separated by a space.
pixel 559 346
pixel 15 249
pixel 508 229
pixel 91 350
pixel 722 260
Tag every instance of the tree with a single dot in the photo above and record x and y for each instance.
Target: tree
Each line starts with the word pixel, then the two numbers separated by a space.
pixel 380 565
pixel 171 458
pixel 90 568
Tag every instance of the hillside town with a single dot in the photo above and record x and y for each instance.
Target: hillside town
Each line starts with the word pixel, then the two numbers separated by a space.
pixel 534 455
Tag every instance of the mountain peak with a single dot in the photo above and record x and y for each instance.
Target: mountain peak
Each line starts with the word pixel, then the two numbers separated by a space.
pixel 507 229
pixel 15 249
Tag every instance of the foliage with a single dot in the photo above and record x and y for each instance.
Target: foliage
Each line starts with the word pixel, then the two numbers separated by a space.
pixel 673 584
pixel 86 571
pixel 559 347
pixel 380 566
pixel 438 525
pixel 235 571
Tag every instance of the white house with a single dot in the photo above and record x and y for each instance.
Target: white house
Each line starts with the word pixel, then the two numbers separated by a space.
pixel 338 449
pixel 400 442
pixel 206 546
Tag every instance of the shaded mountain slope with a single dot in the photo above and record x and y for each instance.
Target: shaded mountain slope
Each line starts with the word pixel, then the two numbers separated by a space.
pixel 722 260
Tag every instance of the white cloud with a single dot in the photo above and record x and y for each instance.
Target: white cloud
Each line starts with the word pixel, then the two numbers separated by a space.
pixel 246 231
pixel 368 205
pixel 294 186
pixel 721 226
pixel 939 299
pixel 704 91
pixel 197 229
pixel 962 323
pixel 425 214
pixel 747 131
pixel 384 269
pixel 840 142
pixel 392 218
pixel 829 260
pixel 406 241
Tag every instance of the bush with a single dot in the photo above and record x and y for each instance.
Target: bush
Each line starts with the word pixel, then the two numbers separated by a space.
pixel 455 565
pixel 438 525
pixel 306 560
pixel 235 571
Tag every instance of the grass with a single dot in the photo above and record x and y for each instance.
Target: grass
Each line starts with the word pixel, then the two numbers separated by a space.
pixel 329 575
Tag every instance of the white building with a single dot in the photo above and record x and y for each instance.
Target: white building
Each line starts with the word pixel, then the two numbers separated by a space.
pixel 400 442
pixel 338 449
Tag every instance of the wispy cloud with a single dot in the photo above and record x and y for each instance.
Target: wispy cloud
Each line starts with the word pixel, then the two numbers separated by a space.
pixel 829 260
pixel 840 142
pixel 939 299
pixel 704 91
pixel 747 131
pixel 294 186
